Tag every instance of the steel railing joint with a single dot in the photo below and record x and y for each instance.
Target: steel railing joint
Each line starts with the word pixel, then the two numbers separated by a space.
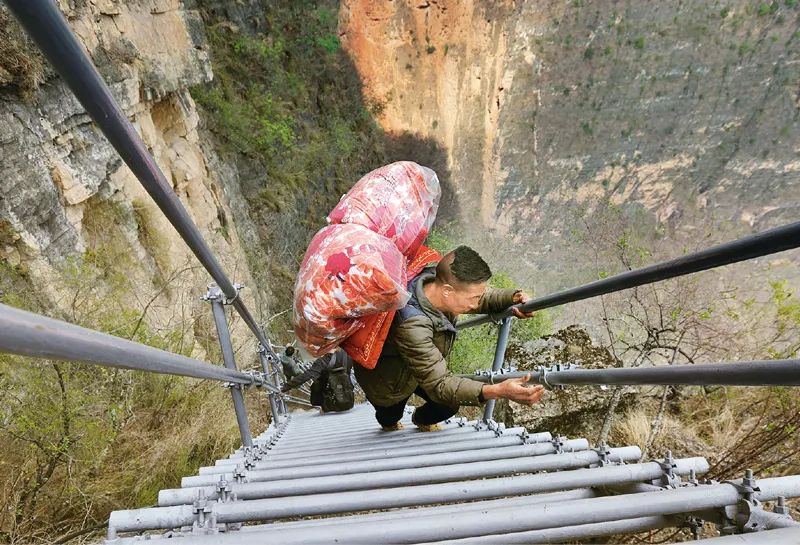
pixel 224 492
pixel 240 474
pixel 747 488
pixel 669 478
pixel 489 425
pixel 215 294
pixel 605 456
pixel 543 371
pixel 780 507
pixel 752 517
pixel 558 443
pixel 205 520
pixel 695 525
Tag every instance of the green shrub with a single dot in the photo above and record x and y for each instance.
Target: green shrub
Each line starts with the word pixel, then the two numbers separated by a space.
pixel 474 347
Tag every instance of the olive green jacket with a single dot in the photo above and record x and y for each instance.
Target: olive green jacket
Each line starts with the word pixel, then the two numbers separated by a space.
pixel 419 340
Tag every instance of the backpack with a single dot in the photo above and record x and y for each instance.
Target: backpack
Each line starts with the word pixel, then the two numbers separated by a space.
pixel 333 390
pixel 337 393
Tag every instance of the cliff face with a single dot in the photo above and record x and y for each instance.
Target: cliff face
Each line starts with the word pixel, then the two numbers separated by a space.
pixel 684 114
pixel 57 170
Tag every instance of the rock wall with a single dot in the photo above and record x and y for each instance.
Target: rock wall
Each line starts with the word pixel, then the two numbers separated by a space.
pixel 683 113
pixel 56 168
pixel 573 411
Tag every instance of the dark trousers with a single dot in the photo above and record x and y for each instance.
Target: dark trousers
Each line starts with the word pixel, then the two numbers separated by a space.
pixel 429 413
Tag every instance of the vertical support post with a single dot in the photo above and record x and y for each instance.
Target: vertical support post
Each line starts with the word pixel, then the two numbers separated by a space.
pixel 266 367
pixel 217 299
pixel 499 358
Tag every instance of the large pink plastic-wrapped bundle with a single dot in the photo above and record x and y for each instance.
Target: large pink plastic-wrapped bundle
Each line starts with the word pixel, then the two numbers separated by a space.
pixel 398 201
pixel 348 272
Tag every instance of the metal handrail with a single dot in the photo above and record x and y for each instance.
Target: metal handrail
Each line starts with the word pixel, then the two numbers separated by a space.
pixel 767 242
pixel 740 373
pixel 29 334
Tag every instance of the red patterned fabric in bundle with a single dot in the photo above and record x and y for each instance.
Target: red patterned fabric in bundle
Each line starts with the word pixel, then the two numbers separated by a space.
pixel 366 344
pixel 398 201
pixel 348 272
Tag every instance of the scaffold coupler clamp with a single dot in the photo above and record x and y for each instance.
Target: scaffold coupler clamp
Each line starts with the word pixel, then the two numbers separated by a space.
pixel 543 371
pixel 240 474
pixel 233 385
pixel 695 525
pixel 257 378
pixel 214 293
pixel 205 518
pixel 748 487
pixel 252 455
pixel 558 443
pixel 490 425
pixel 268 352
pixel 669 478
pixel 224 492
pixel 604 455
pixel 495 319
pixel 749 514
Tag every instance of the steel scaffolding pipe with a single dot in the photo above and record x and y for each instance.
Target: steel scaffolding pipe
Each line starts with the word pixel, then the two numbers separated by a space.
pixel 489 443
pixel 408 513
pixel 215 296
pixel 567 534
pixel 743 373
pixel 361 432
pixel 430 439
pixel 266 368
pixel 398 477
pixel 549 535
pixel 48 28
pixel 514 519
pixel 335 467
pixel 783 536
pixel 29 334
pixel 268 441
pixel 499 357
pixel 292 439
pixel 226 463
pixel 300 446
pixel 388 498
pixel 459 491
pixel 462 509
pixel 764 243
pixel 332 427
pixel 446 435
pixel 331 423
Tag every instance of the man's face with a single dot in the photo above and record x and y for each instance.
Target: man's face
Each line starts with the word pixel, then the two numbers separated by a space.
pixel 464 298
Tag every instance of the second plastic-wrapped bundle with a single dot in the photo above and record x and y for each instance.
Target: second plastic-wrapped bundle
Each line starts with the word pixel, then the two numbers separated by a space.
pixel 348 272
pixel 398 201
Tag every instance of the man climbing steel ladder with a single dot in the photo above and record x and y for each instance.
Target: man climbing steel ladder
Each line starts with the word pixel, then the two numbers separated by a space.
pixel 421 337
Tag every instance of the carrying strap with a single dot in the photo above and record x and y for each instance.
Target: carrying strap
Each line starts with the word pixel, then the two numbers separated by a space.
pixel 333 368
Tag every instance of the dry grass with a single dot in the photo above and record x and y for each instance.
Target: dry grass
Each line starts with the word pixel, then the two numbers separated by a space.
pixel 634 428
pixel 734 428
pixel 21 64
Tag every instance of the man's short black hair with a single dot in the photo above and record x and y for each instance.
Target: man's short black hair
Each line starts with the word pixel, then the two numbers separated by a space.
pixel 463 265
